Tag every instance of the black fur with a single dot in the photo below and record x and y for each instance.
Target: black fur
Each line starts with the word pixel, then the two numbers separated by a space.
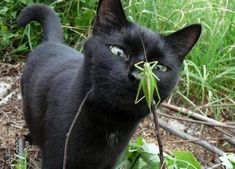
pixel 56 78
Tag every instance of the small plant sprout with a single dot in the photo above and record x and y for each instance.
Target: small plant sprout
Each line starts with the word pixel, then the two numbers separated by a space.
pixel 148 83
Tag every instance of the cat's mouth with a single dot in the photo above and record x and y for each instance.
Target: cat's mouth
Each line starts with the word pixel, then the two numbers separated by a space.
pixel 124 96
pixel 115 90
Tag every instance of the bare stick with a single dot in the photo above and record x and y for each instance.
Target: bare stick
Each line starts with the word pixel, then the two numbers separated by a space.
pixel 194 115
pixel 228 137
pixel 203 118
pixel 197 121
pixel 216 166
pixel 157 130
pixel 183 135
pixel 230 140
pixel 225 132
pixel 210 140
pixel 71 128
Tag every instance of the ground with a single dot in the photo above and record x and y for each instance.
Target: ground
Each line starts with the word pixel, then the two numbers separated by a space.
pixel 12 127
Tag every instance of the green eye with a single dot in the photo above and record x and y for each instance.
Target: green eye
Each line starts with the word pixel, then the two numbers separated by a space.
pixel 161 68
pixel 118 52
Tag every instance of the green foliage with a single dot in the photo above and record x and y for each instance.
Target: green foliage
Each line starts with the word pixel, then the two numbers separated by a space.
pixel 209 70
pixel 8 35
pixel 76 17
pixel 21 163
pixel 183 159
pixel 140 155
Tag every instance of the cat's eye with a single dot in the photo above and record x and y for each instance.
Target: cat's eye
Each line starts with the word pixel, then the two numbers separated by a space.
pixel 161 68
pixel 119 52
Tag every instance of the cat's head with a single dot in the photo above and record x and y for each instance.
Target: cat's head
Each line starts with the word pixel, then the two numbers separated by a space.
pixel 117 44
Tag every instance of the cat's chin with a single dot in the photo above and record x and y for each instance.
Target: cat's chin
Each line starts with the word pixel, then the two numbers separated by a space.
pixel 126 101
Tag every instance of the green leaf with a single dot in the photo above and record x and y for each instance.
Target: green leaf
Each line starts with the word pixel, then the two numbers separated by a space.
pixel 228 160
pixel 140 164
pixel 150 155
pixel 4 28
pixel 139 155
pixel 185 159
pixel 85 18
pixel 123 165
pixel 22 161
pixel 26 2
pixel 140 141
pixel 170 162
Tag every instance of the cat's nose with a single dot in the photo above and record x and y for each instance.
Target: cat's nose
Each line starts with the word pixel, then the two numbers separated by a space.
pixel 134 75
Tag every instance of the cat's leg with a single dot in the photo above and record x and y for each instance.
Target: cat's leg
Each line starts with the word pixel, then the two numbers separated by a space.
pixel 52 155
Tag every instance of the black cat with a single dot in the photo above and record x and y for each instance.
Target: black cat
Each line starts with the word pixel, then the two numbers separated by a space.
pixel 56 78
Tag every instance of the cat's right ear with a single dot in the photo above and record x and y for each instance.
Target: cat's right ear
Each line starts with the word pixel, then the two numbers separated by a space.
pixel 110 15
pixel 182 41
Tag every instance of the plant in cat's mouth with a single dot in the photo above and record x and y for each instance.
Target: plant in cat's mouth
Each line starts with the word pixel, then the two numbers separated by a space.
pixel 148 83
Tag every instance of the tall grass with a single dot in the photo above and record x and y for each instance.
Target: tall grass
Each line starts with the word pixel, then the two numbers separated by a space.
pixel 208 77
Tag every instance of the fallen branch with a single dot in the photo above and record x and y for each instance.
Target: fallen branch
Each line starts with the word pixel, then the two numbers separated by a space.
pixel 230 122
pixel 227 136
pixel 197 121
pixel 210 140
pixel 230 140
pixel 216 166
pixel 194 115
pixel 71 128
pixel 195 140
pixel 224 132
pixel 205 119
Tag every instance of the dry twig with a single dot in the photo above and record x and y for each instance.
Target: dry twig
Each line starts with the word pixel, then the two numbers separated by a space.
pixel 230 140
pixel 157 130
pixel 206 119
pixel 216 166
pixel 197 121
pixel 71 128
pixel 194 115
pixel 186 136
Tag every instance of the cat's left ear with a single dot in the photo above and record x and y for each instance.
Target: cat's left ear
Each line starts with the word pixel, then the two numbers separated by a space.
pixel 110 15
pixel 183 40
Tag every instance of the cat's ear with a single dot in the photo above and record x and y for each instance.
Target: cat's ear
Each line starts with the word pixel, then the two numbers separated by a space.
pixel 110 15
pixel 183 40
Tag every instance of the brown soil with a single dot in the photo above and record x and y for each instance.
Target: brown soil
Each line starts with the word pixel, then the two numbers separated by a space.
pixel 12 129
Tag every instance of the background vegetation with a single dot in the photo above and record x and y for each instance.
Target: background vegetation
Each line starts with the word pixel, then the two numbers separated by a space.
pixel 208 80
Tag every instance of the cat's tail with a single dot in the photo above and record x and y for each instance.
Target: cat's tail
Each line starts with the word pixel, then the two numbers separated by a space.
pixel 52 30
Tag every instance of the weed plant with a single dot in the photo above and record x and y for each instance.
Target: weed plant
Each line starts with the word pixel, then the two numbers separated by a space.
pixel 208 79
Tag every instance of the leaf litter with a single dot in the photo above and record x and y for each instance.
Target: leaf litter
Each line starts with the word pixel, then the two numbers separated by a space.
pixel 12 127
